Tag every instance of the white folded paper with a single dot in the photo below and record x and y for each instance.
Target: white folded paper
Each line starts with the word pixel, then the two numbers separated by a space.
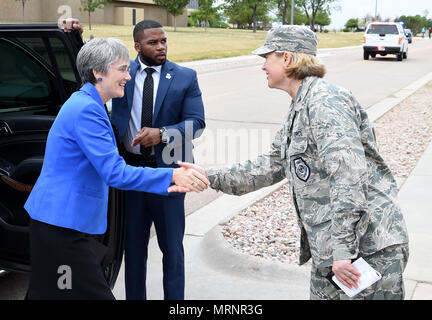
pixel 368 277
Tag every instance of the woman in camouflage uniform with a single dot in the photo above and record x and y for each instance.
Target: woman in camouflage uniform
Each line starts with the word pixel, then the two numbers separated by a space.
pixel 343 192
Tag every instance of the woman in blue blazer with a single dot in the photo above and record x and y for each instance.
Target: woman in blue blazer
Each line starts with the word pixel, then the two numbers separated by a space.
pixel 70 198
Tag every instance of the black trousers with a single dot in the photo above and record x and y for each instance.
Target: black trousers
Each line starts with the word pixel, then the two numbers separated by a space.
pixel 168 216
pixel 65 265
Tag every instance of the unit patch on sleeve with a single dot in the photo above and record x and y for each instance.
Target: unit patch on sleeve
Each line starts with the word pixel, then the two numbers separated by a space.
pixel 301 169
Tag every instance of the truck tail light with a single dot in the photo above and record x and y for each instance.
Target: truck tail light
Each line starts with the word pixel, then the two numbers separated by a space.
pixel 400 40
pixel 364 39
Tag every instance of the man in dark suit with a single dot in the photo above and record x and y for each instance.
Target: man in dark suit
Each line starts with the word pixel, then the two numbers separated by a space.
pixel 156 138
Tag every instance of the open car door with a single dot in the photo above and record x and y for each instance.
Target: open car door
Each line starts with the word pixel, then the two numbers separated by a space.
pixel 37 75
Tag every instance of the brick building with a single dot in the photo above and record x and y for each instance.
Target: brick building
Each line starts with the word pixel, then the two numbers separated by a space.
pixel 121 12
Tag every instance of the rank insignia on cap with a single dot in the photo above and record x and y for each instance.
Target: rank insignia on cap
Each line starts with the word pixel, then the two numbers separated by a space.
pixel 301 169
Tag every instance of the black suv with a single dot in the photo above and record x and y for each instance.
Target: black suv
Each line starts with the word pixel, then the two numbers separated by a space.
pixel 37 75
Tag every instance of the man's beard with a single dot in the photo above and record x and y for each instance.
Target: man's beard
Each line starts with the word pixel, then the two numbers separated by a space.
pixel 151 61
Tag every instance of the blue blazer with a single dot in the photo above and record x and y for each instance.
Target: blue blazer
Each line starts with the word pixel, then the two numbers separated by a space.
pixel 178 107
pixel 81 161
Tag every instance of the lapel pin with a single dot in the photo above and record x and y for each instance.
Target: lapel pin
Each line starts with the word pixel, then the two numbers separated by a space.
pixel 168 76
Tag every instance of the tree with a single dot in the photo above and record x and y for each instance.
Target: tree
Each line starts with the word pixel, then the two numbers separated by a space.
pixel 242 8
pixel 91 5
pixel 283 6
pixel 23 2
pixel 175 7
pixel 415 23
pixel 206 10
pixel 312 7
pixel 322 19
pixel 284 11
pixel 238 14
pixel 352 24
pixel 368 18
pixel 207 16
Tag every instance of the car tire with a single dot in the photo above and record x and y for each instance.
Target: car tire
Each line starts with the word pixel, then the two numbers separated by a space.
pixel 405 55
pixel 373 55
pixel 399 57
pixel 366 55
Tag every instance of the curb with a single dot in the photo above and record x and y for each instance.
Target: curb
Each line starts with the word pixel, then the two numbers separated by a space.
pixel 224 208
pixel 245 61
pixel 379 109
pixel 246 57
pixel 236 262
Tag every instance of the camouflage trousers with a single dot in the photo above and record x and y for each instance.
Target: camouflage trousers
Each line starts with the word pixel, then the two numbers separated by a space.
pixel 390 262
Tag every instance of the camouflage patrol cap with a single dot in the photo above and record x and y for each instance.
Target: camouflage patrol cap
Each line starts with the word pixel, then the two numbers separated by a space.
pixel 289 38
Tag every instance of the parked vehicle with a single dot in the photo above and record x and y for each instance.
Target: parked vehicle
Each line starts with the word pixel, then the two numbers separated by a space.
pixel 385 38
pixel 37 75
pixel 408 34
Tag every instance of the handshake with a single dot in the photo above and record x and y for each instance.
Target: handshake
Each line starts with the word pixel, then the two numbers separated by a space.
pixel 189 177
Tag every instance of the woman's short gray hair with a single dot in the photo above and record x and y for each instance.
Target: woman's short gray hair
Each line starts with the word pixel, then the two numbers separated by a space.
pixel 98 54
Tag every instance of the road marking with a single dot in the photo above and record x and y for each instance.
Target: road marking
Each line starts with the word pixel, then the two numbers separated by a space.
pixel 347 65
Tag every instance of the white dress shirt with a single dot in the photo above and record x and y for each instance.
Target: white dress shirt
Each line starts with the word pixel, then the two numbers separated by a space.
pixel 135 119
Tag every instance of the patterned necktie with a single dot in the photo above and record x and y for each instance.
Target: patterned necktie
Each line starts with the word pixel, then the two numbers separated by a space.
pixel 147 107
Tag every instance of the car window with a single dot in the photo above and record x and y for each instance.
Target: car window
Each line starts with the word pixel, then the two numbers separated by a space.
pixel 63 61
pixel 62 58
pixel 24 81
pixel 382 29
pixel 30 65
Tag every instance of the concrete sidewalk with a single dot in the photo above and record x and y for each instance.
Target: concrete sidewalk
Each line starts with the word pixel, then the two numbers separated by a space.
pixel 215 270
pixel 415 198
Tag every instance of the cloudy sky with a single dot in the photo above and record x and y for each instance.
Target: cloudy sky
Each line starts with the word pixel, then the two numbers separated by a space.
pixel 386 8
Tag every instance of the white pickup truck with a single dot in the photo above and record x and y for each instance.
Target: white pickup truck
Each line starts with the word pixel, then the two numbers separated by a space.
pixel 385 38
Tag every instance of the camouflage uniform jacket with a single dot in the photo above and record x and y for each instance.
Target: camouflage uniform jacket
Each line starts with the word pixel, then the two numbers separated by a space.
pixel 343 192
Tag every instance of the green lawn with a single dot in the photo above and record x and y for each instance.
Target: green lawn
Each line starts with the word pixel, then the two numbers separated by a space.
pixel 188 44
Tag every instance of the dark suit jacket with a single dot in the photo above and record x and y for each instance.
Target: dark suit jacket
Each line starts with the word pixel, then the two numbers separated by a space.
pixel 178 108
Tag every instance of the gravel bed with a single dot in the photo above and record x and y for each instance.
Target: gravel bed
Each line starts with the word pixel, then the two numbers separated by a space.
pixel 269 228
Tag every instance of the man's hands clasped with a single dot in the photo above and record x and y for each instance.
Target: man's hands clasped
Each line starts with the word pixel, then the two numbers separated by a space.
pixel 189 177
pixel 148 137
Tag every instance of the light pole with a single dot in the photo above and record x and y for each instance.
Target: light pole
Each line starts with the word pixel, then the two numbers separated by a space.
pixel 376 8
pixel 292 11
